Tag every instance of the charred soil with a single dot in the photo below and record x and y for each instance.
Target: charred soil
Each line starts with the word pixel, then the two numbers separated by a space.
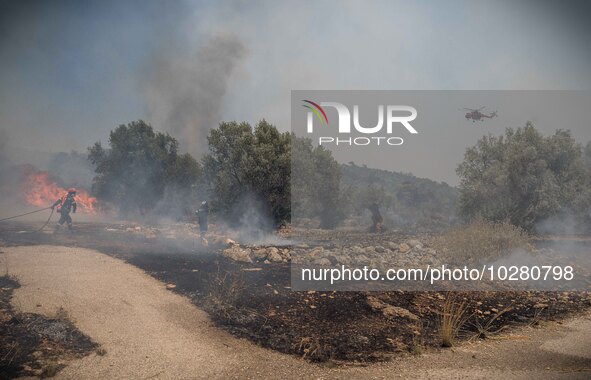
pixel 31 344
pixel 255 301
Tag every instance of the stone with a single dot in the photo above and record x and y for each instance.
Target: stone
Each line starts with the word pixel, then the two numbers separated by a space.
pixel 237 253
pixel 323 261
pixel 403 248
pixel 260 254
pixel 413 243
pixel 390 310
pixel 357 249
pixel 316 251
pixel 273 255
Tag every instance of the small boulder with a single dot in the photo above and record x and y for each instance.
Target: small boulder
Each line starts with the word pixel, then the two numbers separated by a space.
pixel 403 248
pixel 273 255
pixel 323 261
pixel 259 254
pixel 316 251
pixel 238 254
pixel 390 310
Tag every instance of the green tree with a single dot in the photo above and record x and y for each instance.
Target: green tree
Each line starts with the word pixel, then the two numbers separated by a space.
pixel 138 167
pixel 522 177
pixel 316 177
pixel 249 167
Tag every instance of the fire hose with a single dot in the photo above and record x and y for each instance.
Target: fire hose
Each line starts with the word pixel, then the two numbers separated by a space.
pixel 32 212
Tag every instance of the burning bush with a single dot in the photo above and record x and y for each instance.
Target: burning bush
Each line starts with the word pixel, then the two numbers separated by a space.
pixel 39 189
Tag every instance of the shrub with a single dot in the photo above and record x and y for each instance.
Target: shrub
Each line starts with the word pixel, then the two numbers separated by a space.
pixel 482 240
pixel 453 317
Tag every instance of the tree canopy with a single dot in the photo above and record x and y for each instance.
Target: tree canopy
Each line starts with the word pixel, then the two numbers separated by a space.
pixel 249 167
pixel 524 177
pixel 139 166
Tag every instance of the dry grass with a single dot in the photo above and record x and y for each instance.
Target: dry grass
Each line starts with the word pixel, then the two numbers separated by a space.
pixel 416 347
pixel 453 317
pixel 312 349
pixel 486 330
pixel 482 239
pixel 226 288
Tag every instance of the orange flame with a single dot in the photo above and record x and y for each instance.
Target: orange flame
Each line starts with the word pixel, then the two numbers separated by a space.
pixel 40 190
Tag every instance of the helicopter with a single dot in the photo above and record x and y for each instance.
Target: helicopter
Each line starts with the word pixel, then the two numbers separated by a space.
pixel 476 114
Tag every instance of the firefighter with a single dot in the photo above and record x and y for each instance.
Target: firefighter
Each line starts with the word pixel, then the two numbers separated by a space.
pixel 202 214
pixel 64 205
pixel 376 218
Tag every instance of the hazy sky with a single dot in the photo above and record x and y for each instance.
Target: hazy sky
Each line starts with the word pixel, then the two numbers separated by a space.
pixel 70 71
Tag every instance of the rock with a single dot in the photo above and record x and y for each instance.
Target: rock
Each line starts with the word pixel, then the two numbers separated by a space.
pixel 323 261
pixel 540 306
pixel 392 245
pixel 357 250
pixel 286 254
pixel 396 311
pixel 273 255
pixel 403 248
pixel 413 243
pixel 228 241
pixel 379 249
pixel 316 251
pixel 341 259
pixel 430 251
pixel 390 310
pixel 259 254
pixel 237 253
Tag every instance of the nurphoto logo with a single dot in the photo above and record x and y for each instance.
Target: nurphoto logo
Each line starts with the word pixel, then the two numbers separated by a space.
pixel 392 114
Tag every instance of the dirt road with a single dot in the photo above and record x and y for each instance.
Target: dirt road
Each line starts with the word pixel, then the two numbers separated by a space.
pixel 150 332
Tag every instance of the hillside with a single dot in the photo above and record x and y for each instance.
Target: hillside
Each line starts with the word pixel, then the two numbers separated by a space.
pixel 405 200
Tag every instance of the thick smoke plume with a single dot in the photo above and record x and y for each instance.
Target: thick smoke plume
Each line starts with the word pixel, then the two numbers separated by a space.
pixel 185 90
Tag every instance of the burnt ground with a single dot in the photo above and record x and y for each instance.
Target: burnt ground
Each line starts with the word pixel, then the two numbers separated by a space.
pixel 254 301
pixel 31 344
